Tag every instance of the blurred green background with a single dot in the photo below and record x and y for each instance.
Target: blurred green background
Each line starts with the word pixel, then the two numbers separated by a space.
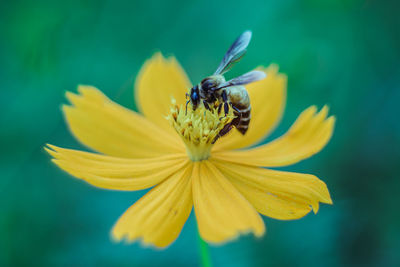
pixel 342 53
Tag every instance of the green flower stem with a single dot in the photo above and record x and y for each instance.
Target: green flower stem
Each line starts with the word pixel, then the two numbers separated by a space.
pixel 204 252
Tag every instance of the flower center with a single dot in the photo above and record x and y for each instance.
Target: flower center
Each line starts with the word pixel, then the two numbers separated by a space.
pixel 200 128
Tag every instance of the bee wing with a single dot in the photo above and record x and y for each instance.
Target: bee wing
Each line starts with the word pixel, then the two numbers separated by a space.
pixel 246 78
pixel 234 53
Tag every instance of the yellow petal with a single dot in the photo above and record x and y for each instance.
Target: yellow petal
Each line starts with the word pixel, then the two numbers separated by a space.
pixel 222 212
pixel 267 99
pixel 158 217
pixel 307 136
pixel 116 173
pixel 277 194
pixel 111 129
pixel 158 81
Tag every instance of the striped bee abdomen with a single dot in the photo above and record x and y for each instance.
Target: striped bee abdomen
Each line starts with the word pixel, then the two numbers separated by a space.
pixel 242 120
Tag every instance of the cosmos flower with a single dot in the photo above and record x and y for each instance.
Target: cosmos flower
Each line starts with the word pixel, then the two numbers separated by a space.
pixel 171 151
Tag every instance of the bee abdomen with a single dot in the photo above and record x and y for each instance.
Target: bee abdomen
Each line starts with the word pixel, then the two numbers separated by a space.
pixel 242 121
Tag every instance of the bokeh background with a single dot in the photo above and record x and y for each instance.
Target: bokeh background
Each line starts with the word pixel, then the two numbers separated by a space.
pixel 343 53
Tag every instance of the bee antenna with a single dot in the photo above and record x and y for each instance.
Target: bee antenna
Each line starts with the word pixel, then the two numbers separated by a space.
pixel 187 102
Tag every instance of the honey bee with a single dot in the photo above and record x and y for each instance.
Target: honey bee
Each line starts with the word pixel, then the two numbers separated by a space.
pixel 230 93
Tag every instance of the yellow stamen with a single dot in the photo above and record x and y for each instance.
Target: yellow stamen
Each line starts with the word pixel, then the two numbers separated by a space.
pixel 198 128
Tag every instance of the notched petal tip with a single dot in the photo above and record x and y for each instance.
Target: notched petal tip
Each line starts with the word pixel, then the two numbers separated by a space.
pixel 50 151
pixel 277 194
pixel 308 135
pixel 47 146
pixel 331 121
pixel 53 150
pixel 258 234
pixel 70 96
pixel 312 109
pixel 120 237
pixel 219 241
pixel 324 111
pixel 115 237
pixel 126 240
pixel 324 195
pixel 88 90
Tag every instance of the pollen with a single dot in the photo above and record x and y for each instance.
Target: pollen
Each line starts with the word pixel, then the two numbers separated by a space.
pixel 200 128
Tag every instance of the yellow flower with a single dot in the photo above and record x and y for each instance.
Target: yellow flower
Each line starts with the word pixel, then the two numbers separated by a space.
pixel 172 151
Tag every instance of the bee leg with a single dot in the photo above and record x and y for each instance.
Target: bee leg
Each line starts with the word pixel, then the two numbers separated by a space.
pixel 236 121
pixel 187 102
pixel 219 108
pixel 237 110
pixel 227 128
pixel 226 108
pixel 206 105
pixel 225 100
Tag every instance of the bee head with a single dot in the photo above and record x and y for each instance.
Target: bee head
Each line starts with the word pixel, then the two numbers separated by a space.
pixel 195 97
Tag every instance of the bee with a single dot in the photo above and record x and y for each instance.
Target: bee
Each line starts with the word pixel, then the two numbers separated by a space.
pixel 230 93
